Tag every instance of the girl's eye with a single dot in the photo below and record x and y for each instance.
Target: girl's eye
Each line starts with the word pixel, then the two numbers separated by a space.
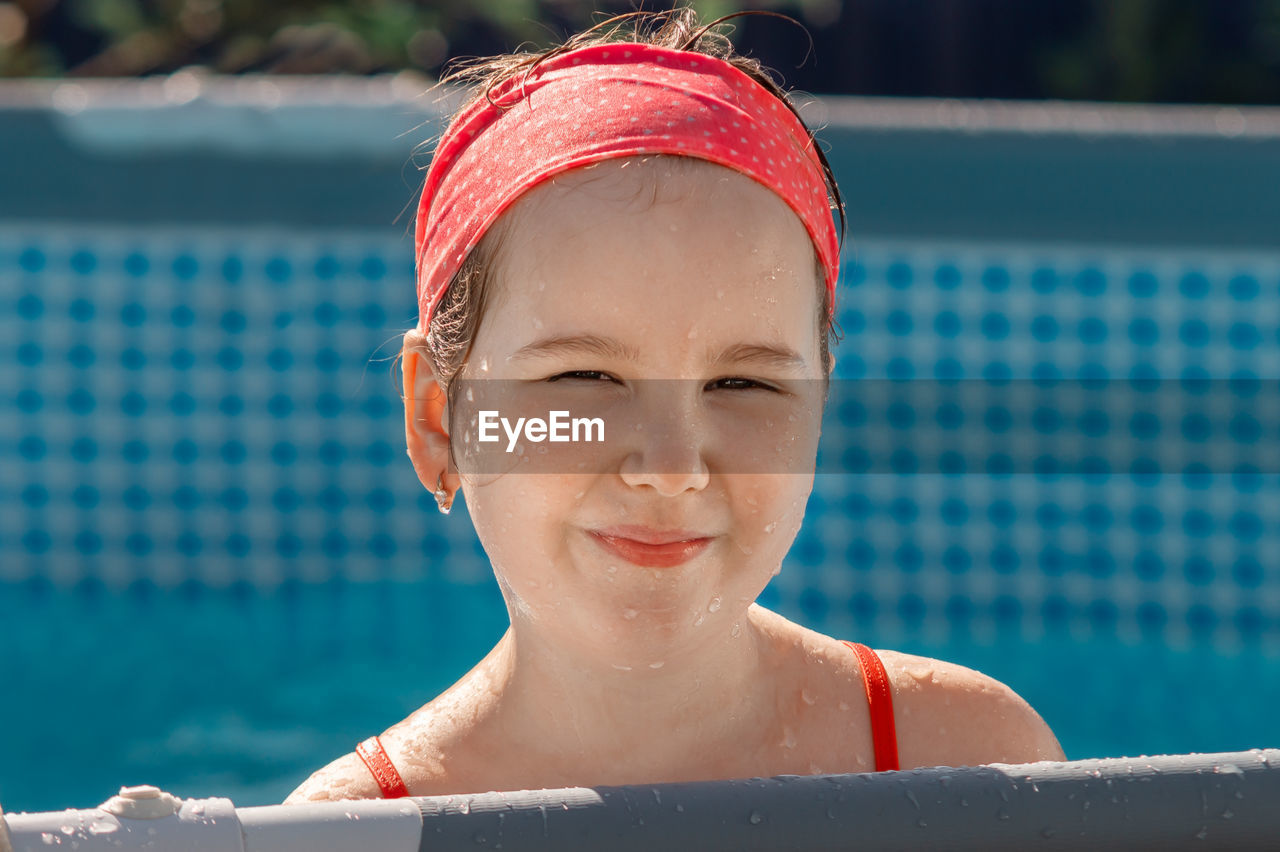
pixel 738 383
pixel 585 375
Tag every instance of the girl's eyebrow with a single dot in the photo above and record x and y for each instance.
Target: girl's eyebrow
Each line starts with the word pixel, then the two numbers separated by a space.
pixel 763 354
pixel 590 344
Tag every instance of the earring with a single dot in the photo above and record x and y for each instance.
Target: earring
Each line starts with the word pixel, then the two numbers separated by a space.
pixel 443 501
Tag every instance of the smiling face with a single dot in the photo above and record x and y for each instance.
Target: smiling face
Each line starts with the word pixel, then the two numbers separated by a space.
pixel 678 301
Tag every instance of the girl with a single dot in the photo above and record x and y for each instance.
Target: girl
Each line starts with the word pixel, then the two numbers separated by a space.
pixel 641 230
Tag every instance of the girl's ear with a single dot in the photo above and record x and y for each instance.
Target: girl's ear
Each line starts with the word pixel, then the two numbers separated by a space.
pixel 426 434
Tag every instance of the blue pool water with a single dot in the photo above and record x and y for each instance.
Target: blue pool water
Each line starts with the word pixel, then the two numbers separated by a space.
pixel 218 571
pixel 242 694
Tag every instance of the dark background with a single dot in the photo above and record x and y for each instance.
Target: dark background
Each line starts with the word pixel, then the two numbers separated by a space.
pixel 1171 51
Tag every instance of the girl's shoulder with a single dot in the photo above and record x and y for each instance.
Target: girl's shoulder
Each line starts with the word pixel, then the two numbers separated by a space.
pixel 949 715
pixel 344 778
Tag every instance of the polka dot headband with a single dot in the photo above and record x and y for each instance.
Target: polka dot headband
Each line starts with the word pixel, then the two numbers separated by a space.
pixel 600 103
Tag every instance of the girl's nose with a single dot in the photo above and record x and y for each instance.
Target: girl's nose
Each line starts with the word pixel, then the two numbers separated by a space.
pixel 666 448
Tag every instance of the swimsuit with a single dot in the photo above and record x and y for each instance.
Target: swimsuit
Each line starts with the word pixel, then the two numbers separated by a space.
pixel 874 678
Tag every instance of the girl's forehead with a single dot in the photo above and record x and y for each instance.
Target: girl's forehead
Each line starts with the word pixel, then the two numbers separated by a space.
pixel 650 211
pixel 683 267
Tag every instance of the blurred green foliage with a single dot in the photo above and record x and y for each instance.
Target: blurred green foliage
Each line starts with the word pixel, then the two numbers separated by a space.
pixel 1154 50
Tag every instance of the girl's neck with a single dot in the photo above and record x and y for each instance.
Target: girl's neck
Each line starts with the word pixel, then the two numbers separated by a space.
pixel 572 706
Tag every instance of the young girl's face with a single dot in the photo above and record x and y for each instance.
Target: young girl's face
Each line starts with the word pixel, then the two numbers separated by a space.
pixel 678 301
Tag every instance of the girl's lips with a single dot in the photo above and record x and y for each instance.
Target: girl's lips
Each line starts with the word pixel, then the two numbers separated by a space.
pixel 659 555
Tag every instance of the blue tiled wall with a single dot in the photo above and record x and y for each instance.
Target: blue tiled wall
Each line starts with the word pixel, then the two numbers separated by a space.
pixel 215 406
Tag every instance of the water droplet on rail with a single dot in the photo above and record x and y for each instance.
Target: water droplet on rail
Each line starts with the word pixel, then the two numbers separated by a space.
pixel 756 818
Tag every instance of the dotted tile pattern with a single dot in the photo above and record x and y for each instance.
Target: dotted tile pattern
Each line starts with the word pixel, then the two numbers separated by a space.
pixel 217 407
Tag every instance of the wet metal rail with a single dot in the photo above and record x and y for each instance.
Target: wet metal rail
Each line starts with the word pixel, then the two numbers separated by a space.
pixel 1170 802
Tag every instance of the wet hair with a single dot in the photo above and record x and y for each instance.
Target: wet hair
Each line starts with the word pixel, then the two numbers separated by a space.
pixel 457 317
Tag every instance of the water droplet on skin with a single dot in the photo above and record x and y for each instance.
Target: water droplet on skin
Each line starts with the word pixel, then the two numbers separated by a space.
pixel 471 395
pixel 770 527
pixel 611 569
pixel 714 605
pixel 736 631
pixel 484 365
pixel 693 333
pixel 621 668
pixel 629 613
pixel 720 294
pixel 659 664
pixel 698 621
pixel 807 698
pixel 537 323
pixel 788 737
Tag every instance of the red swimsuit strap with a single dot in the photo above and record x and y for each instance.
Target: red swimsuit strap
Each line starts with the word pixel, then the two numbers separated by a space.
pixel 880 701
pixel 384 771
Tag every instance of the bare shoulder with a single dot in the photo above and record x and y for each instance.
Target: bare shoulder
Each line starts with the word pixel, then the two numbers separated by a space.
pixel 950 715
pixel 344 778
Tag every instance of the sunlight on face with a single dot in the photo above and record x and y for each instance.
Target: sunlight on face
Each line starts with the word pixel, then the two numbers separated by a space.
pixel 677 300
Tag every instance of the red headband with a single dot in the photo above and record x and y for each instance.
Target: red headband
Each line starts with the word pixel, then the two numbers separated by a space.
pixel 600 103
